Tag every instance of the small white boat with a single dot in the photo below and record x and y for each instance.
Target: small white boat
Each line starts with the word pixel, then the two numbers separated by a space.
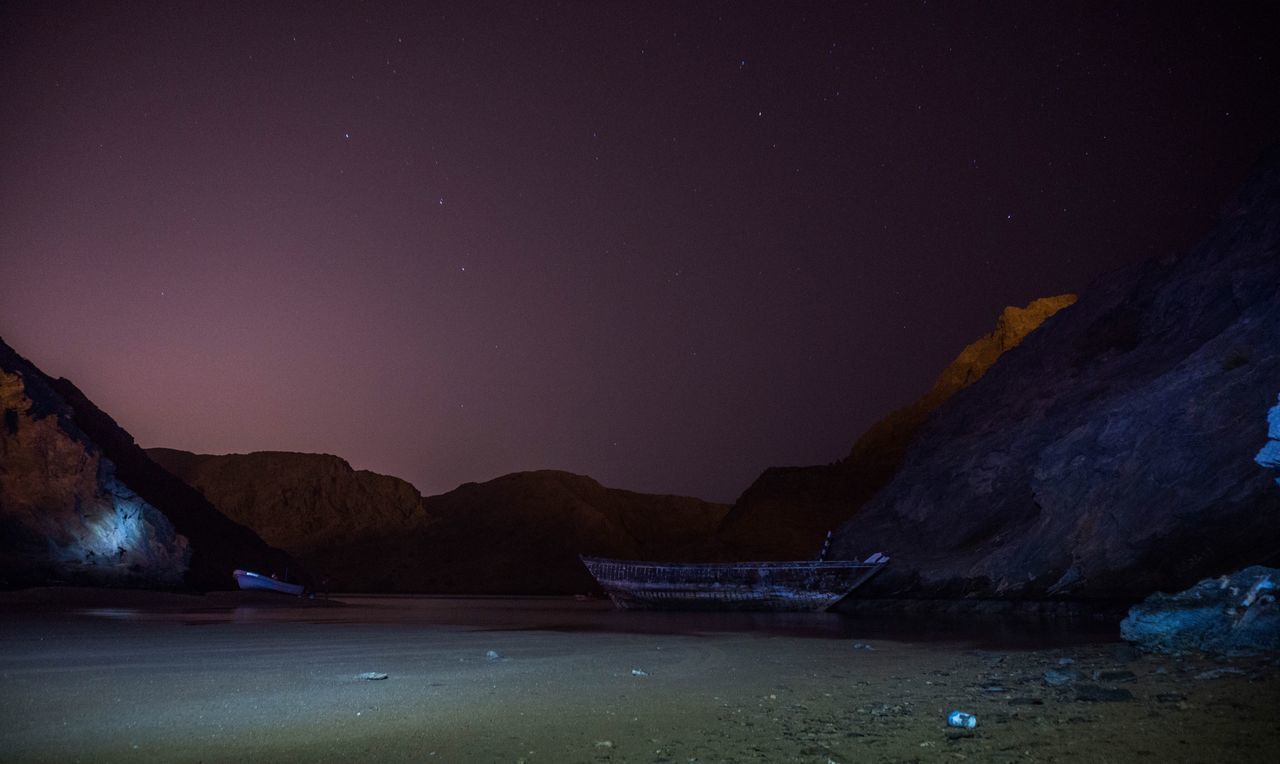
pixel 250 580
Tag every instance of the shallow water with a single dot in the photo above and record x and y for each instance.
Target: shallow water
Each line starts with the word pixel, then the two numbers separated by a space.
pixel 566 614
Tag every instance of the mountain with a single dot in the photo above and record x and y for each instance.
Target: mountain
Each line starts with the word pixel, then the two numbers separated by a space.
pixel 303 501
pixel 81 503
pixel 522 533
pixel 314 505
pixel 517 534
pixel 787 511
pixel 1112 455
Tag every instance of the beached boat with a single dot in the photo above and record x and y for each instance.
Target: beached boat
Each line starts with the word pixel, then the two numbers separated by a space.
pixel 799 585
pixel 250 580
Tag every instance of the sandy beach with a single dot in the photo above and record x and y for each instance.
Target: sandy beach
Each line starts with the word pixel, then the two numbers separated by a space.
pixel 136 677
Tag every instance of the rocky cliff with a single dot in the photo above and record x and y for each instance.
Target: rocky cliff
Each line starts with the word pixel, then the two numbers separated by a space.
pixel 81 503
pixel 1112 454
pixel 344 525
pixel 787 511
pixel 303 502
pixel 520 533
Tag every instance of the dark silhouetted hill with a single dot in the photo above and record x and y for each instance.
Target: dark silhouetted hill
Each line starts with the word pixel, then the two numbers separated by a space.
pixel 787 511
pixel 518 534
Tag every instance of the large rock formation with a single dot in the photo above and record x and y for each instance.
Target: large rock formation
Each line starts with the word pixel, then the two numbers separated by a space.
pixel 787 511
pixel 517 534
pixel 304 502
pixel 81 503
pixel 1112 453
pixel 346 526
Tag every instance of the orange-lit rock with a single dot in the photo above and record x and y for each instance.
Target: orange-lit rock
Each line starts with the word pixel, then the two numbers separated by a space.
pixel 787 512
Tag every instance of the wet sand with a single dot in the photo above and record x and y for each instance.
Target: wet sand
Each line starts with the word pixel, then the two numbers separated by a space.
pixel 229 677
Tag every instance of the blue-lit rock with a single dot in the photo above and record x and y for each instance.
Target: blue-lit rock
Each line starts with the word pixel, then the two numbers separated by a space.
pixel 1226 615
pixel 81 503
pixel 67 517
pixel 1269 456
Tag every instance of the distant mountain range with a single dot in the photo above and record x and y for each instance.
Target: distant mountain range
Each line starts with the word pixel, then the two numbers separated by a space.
pixel 1093 449
pixel 520 533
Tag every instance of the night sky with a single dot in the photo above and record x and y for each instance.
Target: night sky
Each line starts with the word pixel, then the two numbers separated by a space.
pixel 665 246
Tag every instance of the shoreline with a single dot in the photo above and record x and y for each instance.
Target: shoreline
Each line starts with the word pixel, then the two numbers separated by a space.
pixel 181 683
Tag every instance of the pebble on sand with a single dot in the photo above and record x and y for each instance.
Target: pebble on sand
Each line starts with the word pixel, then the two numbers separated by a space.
pixel 639 672
pixel 1092 693
pixel 372 675
pixel 1218 673
pixel 493 655
pixel 1055 678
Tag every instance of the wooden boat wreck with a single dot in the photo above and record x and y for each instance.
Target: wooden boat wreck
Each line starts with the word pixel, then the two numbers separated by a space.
pixel 795 585
pixel 247 579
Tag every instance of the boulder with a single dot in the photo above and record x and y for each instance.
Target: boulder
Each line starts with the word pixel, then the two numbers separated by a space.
pixel 1222 616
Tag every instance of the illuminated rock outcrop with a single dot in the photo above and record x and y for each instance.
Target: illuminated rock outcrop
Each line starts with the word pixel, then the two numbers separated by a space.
pixel 81 503
pixel 1269 456
pixel 66 516
pixel 1223 616
pixel 1113 454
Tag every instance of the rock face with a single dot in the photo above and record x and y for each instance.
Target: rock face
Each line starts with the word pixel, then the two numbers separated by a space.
pixel 340 523
pixel 1112 454
pixel 517 534
pixel 1231 614
pixel 309 504
pixel 80 503
pixel 787 511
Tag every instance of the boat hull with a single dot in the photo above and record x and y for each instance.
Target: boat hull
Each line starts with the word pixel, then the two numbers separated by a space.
pixel 776 586
pixel 247 579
